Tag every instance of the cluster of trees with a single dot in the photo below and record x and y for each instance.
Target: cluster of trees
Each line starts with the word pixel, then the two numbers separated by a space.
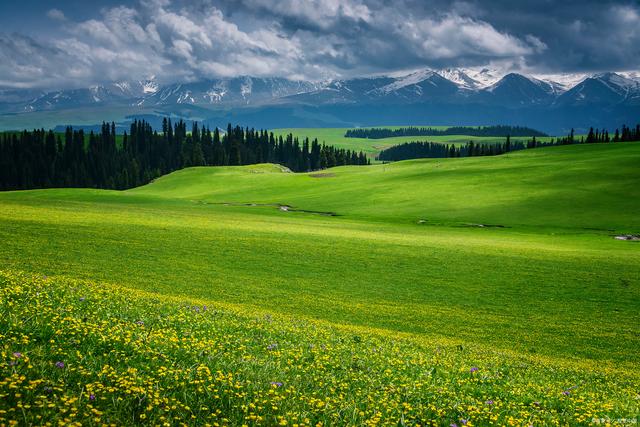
pixel 417 150
pixel 501 131
pixel 627 134
pixel 44 159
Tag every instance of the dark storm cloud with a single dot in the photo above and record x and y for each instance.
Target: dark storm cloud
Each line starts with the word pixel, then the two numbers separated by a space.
pixel 317 39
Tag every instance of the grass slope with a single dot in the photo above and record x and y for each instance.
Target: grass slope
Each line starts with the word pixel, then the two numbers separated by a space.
pixel 97 354
pixel 335 136
pixel 403 258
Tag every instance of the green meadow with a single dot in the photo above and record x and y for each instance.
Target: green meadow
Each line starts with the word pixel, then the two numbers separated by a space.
pixel 335 136
pixel 484 289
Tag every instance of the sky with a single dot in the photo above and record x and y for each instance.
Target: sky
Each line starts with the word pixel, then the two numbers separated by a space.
pixel 74 43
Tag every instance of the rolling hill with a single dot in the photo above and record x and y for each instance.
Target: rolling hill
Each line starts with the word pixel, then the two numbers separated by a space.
pixel 495 281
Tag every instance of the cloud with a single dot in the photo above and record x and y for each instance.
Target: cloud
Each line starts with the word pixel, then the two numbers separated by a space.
pixel 186 40
pixel 56 15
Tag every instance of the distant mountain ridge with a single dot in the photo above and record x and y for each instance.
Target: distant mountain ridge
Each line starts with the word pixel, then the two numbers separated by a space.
pixel 501 98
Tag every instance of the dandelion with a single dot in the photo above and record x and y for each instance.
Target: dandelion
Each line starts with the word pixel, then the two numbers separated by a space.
pixel 60 365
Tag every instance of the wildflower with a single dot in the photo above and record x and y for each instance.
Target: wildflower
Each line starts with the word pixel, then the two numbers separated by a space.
pixel 489 402
pixel 276 384
pixel 60 365
pixel 463 422
pixel 566 393
pixel 139 322
pixel 272 346
pixel 17 355
pixel 473 369
pixel 48 390
pixel 453 425
pixel 92 396
pixel 204 308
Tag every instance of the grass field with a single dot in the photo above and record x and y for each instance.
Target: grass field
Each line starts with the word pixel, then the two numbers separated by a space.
pixel 400 309
pixel 335 136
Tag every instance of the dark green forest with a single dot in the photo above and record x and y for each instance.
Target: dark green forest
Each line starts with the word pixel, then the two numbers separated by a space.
pixel 44 159
pixel 379 133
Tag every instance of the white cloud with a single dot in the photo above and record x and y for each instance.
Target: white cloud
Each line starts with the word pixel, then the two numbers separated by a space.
pixel 56 15
pixel 312 39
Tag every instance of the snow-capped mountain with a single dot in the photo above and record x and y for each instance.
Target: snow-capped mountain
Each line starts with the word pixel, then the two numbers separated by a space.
pixel 517 90
pixel 233 91
pixel 604 88
pixel 457 85
pixel 452 95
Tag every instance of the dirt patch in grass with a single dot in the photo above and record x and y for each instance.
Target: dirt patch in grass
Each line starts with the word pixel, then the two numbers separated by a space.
pixel 628 237
pixel 322 175
pixel 484 225
pixel 283 208
pixel 286 208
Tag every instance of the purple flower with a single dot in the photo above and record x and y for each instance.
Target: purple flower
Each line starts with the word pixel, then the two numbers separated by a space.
pixel 473 369
pixel 453 425
pixel 48 390
pixel 566 392
pixel 463 422
pixel 17 355
pixel 92 396
pixel 60 365
pixel 272 346
pixel 204 308
pixel 276 384
pixel 489 402
pixel 139 322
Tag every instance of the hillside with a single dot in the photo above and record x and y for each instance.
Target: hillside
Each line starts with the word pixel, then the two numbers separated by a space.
pixel 587 186
pixel 505 263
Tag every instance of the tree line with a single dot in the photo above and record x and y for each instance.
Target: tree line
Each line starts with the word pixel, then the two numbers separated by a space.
pixel 417 149
pixel 44 159
pixel 499 131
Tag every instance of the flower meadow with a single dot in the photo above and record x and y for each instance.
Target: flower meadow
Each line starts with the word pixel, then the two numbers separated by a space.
pixel 80 353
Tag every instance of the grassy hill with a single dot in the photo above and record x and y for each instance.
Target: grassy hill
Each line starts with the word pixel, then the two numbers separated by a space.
pixel 503 263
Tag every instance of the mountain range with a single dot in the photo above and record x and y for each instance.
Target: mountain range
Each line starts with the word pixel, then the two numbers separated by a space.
pixel 455 96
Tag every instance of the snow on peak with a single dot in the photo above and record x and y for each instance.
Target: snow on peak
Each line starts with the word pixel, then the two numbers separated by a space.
pixel 460 78
pixel 408 80
pixel 246 87
pixel 150 86
pixel 615 79
pixel 563 81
